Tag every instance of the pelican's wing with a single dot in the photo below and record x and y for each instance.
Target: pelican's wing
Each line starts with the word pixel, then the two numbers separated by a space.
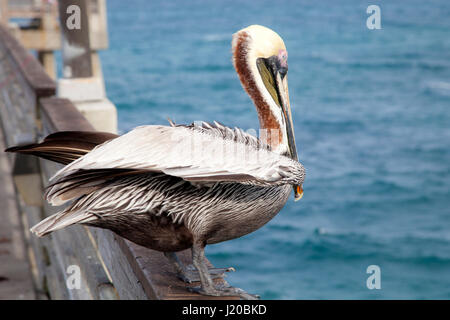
pixel 195 154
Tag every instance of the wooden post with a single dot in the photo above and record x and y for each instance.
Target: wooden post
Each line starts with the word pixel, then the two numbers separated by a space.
pixel 76 50
pixel 48 23
pixel 82 80
pixel 47 59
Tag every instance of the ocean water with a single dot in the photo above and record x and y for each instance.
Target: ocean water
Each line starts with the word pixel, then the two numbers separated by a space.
pixel 371 110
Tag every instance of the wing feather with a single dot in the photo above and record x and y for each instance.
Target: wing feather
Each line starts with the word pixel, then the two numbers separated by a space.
pixel 205 154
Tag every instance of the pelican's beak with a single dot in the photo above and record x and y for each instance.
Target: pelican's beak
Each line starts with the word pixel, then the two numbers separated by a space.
pixel 283 93
pixel 273 72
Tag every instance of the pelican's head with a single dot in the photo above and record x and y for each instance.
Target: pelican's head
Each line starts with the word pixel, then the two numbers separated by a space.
pixel 260 59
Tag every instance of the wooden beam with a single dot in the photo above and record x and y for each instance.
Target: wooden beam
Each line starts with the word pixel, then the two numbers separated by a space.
pixel 15 277
pixel 26 65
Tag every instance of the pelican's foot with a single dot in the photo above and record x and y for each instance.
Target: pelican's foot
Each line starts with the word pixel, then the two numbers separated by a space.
pixel 189 274
pixel 224 291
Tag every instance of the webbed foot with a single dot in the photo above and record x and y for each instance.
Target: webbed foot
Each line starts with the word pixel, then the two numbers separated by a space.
pixel 224 291
pixel 189 274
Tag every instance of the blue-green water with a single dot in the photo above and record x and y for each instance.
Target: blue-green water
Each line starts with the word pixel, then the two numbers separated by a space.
pixel 371 110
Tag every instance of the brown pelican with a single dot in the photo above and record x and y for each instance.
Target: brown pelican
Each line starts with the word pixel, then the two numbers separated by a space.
pixel 175 187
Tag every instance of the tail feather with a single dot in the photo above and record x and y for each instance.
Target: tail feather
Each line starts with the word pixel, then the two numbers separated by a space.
pixel 60 220
pixel 65 146
pixel 77 186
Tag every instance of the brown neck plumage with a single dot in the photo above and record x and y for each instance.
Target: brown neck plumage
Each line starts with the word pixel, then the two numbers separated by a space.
pixel 271 133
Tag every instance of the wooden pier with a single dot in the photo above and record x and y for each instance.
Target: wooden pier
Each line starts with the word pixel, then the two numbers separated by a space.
pixel 37 268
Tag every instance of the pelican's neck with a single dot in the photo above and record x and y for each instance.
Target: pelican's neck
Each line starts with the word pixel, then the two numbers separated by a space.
pixel 271 122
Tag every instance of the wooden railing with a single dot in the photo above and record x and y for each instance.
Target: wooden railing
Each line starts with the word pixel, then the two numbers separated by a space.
pixel 111 267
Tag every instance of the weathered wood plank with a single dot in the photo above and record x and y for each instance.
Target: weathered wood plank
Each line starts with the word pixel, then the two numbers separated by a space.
pixel 159 278
pixel 74 246
pixel 17 106
pixel 27 65
pixel 128 285
pixel 59 114
pixel 15 277
pixel 17 113
pixel 37 251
